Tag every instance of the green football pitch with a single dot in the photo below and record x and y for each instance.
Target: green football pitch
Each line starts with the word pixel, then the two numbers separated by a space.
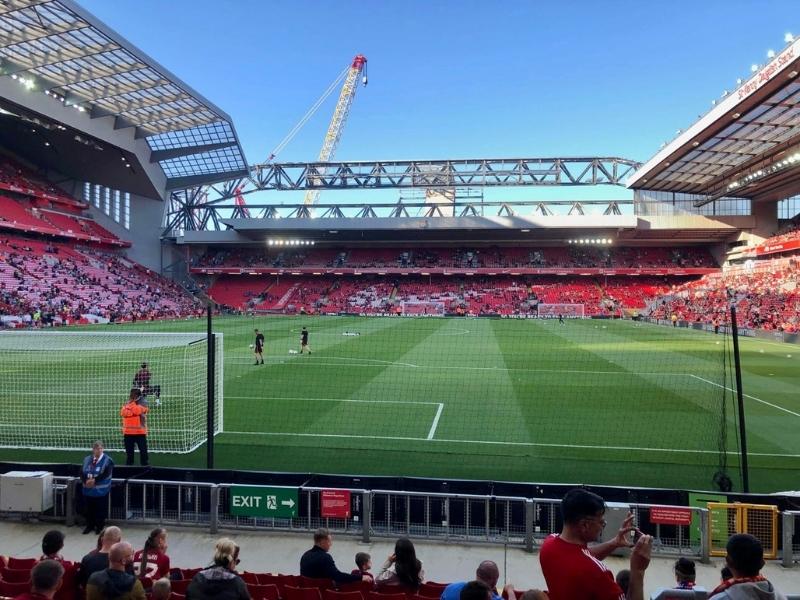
pixel 600 402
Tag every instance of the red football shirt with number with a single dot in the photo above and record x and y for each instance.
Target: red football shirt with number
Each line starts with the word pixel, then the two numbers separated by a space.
pixel 157 565
pixel 572 573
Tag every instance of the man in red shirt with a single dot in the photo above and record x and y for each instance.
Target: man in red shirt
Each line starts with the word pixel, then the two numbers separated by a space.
pixel 573 570
pixel 46 579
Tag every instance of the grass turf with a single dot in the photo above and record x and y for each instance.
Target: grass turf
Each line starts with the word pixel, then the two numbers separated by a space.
pixel 590 401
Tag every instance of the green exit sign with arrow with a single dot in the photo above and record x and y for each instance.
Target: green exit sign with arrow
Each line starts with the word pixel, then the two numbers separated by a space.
pixel 251 501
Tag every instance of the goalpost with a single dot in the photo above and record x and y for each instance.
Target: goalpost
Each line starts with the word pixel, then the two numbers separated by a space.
pixel 63 390
pixel 417 308
pixel 568 311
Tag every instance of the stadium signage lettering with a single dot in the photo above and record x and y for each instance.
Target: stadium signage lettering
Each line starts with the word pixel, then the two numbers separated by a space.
pixel 766 73
pixel 668 515
pixel 254 501
pixel 335 504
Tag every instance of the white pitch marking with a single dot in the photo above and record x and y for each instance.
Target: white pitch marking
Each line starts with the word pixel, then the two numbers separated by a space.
pixel 435 423
pixel 748 396
pixel 500 443
pixel 331 400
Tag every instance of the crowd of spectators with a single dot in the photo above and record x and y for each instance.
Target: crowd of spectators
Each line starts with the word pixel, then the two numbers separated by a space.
pixel 44 283
pixel 574 256
pixel 789 232
pixel 571 562
pixel 497 295
pixel 767 296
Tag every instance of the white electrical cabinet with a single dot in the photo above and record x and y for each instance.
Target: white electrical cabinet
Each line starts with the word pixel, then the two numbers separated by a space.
pixel 26 491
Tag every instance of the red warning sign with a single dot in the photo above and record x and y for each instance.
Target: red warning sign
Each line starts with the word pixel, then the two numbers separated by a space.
pixel 335 504
pixel 668 515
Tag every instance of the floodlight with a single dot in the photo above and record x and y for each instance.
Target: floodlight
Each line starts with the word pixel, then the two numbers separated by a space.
pixel 770 53
pixel 738 81
pixel 788 38
pixel 754 68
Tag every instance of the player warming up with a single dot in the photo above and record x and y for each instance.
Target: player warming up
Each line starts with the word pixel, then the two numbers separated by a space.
pixel 258 348
pixel 304 341
pixel 560 319
pixel 141 381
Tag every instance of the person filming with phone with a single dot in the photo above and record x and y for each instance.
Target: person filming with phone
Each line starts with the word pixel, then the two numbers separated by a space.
pixel 574 570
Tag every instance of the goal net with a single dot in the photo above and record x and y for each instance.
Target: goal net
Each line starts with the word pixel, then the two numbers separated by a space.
pixel 421 308
pixel 568 311
pixel 63 390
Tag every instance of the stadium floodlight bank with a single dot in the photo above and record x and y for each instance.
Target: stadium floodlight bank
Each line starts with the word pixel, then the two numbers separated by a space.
pixel 568 311
pixel 63 390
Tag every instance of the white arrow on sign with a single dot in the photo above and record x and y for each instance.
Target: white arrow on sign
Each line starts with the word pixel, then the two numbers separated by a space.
pixel 289 503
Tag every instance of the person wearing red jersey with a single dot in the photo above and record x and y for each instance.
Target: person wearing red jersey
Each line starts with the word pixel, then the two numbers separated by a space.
pixel 575 571
pixel 152 562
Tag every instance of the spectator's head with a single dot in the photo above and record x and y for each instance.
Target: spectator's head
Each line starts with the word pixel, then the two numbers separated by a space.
pixel 685 571
pixel 583 512
pixel 534 595
pixel 322 538
pixel 363 561
pixel 406 565
pixel 745 555
pixel 52 542
pixel 120 556
pixel 488 573
pixel 725 573
pixel 134 395
pixel 162 589
pixel 226 553
pixel 623 579
pixel 97 448
pixel 475 590
pixel 46 577
pixel 111 535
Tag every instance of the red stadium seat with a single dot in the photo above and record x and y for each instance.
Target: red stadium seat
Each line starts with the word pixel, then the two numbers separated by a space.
pixel 179 585
pixel 21 563
pixel 15 575
pixel 393 595
pixel 249 578
pixel 431 589
pixel 14 589
pixel 309 582
pixel 174 596
pixel 358 586
pixel 334 595
pixel 263 592
pixel 298 593
pixel 280 580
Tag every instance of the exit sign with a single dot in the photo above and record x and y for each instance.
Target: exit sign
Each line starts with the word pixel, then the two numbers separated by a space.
pixel 252 501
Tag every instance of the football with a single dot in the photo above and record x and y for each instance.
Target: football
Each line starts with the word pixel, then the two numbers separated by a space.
pixel 292 351
pixel 252 346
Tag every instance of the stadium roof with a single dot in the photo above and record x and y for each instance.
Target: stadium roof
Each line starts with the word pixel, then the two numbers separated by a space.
pixel 747 145
pixel 57 47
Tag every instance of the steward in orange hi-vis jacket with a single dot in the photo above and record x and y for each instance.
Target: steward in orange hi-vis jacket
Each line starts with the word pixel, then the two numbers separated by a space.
pixel 134 428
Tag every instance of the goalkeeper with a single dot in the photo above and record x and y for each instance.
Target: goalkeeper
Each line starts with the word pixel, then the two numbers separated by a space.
pixel 141 382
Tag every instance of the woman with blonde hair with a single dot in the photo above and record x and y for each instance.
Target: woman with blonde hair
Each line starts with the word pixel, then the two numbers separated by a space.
pixel 219 581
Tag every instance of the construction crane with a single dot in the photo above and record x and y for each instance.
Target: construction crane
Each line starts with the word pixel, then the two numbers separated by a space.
pixel 350 75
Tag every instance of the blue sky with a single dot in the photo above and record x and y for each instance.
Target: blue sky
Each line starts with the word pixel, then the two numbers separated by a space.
pixel 463 79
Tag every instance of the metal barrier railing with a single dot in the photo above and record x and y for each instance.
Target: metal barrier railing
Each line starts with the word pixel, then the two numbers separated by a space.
pixel 507 520
pixel 791 538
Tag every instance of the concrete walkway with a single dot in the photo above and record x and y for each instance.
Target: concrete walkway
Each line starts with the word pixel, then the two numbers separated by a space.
pixel 280 553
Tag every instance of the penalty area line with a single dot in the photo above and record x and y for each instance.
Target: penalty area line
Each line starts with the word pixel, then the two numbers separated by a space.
pixel 786 410
pixel 495 443
pixel 435 423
